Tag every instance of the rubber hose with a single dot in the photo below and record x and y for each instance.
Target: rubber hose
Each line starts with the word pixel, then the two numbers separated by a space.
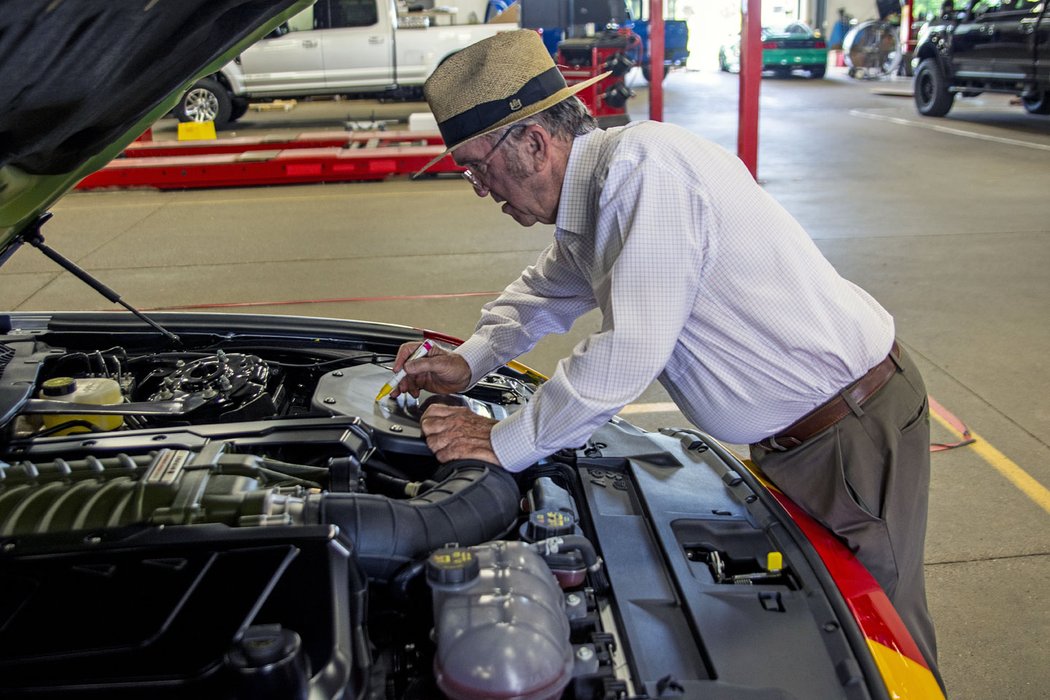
pixel 477 502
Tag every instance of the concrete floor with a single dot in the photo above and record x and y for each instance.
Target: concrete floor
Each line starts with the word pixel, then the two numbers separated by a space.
pixel 945 221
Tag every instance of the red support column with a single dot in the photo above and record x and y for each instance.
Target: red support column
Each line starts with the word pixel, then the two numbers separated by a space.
pixel 750 79
pixel 656 60
pixel 907 41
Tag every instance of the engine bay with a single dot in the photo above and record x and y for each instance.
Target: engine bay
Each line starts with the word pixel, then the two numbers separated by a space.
pixel 238 517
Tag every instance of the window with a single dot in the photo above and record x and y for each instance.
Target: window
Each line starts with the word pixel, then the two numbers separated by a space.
pixel 304 21
pixel 353 13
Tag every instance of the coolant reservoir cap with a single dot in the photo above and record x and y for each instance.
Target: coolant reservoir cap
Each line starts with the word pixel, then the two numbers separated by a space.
pixel 549 523
pixel 59 386
pixel 452 565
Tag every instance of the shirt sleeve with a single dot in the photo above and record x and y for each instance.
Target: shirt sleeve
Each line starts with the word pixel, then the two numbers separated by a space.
pixel 649 247
pixel 547 298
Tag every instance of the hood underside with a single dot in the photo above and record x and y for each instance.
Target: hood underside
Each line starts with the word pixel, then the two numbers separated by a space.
pixel 83 78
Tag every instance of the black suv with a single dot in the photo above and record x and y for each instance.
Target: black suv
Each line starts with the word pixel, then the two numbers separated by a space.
pixel 990 46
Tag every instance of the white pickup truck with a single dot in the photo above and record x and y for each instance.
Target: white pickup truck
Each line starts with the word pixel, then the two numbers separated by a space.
pixel 335 47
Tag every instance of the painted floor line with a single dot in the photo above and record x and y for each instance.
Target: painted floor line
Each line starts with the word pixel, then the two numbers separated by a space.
pixel 336 300
pixel 950 130
pixel 1009 469
pixel 657 407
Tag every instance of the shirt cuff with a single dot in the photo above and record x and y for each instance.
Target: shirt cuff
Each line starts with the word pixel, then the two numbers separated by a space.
pixel 478 354
pixel 512 441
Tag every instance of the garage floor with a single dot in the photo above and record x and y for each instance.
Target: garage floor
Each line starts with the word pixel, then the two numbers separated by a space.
pixel 946 222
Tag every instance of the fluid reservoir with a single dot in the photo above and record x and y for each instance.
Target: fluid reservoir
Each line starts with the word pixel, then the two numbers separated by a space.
pixel 98 391
pixel 499 623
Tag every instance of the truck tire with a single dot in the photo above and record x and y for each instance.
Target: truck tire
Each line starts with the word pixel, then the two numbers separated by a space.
pixel 648 74
pixel 817 71
pixel 238 108
pixel 1037 103
pixel 932 98
pixel 206 100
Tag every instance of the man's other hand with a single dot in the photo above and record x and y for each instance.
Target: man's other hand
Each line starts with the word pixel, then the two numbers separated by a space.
pixel 454 432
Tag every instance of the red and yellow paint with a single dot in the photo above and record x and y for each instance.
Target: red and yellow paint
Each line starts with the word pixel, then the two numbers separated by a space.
pixel 901 664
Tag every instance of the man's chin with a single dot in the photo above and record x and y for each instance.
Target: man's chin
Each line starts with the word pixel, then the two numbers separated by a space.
pixel 518 215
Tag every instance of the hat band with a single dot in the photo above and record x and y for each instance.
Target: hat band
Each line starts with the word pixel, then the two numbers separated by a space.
pixel 475 120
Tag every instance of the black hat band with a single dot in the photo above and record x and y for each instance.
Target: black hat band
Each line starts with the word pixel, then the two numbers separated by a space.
pixel 483 116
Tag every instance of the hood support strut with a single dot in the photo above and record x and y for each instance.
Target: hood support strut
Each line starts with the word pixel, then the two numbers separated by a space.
pixel 33 237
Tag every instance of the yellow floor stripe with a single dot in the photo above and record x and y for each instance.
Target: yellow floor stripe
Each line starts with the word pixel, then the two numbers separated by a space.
pixel 657 407
pixel 1004 465
pixel 1000 462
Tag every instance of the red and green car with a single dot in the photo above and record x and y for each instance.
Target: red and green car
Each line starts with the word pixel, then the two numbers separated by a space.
pixel 795 46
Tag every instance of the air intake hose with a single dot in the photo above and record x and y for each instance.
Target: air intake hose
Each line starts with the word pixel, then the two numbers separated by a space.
pixel 476 502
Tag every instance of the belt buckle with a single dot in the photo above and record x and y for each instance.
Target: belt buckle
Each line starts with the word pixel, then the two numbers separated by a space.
pixel 776 445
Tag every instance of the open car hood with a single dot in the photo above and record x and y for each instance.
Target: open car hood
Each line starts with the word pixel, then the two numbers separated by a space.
pixel 83 78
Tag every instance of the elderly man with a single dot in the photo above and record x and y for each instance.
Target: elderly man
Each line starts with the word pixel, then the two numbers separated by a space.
pixel 705 284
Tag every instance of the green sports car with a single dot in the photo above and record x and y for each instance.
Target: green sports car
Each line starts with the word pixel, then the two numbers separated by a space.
pixel 793 47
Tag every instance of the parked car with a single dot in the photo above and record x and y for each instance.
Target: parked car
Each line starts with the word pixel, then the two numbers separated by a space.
pixel 795 46
pixel 984 46
pixel 201 505
pixel 334 47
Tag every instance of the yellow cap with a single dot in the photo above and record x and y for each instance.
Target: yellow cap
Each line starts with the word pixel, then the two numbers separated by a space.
pixel 774 562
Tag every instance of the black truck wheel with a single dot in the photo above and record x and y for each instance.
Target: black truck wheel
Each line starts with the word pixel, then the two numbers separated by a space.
pixel 932 98
pixel 647 72
pixel 1037 103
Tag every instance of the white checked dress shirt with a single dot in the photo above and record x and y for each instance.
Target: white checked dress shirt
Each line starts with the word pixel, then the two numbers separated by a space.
pixel 704 282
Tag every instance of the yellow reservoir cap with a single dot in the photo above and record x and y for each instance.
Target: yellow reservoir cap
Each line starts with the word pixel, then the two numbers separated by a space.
pixel 774 562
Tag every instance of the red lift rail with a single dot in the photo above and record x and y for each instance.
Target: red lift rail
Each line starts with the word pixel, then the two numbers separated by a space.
pixel 249 161
pixel 313 139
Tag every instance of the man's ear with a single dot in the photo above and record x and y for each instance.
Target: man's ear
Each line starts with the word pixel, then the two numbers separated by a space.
pixel 537 144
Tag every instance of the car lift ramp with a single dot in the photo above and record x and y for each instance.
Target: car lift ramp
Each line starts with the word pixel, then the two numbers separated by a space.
pixel 332 156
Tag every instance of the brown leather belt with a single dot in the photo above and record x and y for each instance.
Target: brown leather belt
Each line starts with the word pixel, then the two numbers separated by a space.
pixel 838 407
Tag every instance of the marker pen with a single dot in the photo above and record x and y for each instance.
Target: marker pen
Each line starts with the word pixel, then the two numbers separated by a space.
pixel 421 351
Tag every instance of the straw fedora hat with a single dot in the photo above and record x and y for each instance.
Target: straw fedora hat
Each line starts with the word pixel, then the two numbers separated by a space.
pixel 492 84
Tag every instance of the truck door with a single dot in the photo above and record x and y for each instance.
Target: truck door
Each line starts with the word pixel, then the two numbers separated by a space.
pixel 1039 24
pixel 975 43
pixel 359 46
pixel 290 57
pixel 1014 36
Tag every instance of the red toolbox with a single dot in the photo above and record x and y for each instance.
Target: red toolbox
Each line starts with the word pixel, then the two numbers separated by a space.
pixel 586 57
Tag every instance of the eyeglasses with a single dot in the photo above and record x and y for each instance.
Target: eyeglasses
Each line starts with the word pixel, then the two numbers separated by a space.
pixel 478 171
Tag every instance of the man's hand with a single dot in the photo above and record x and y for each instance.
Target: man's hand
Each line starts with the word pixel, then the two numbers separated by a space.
pixel 455 432
pixel 440 371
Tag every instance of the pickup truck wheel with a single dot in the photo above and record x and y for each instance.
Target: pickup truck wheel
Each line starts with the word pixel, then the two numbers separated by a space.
pixel 932 98
pixel 647 73
pixel 206 101
pixel 817 71
pixel 238 108
pixel 1038 103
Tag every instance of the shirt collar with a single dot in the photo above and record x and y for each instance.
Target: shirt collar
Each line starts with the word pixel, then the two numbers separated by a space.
pixel 575 212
